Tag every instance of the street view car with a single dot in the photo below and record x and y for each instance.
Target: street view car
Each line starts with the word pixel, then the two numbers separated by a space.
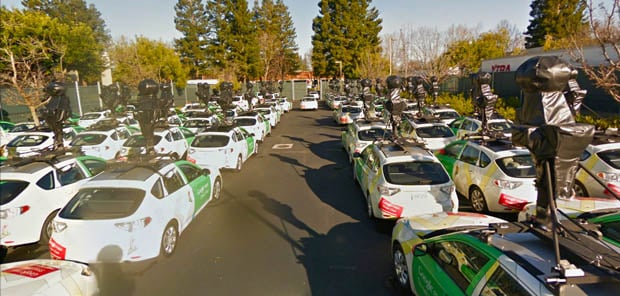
pixel 199 124
pixel 356 136
pixel 463 126
pixel 104 143
pixel 401 180
pixel 46 277
pixel 270 113
pixel 309 103
pixel 91 118
pixel 475 254
pixel 346 114
pixel 493 174
pixel 33 190
pixel 336 101
pixel 603 160
pixel 35 142
pixel 434 133
pixel 254 124
pixel 228 147
pixel 136 211
pixel 445 114
pixel 168 141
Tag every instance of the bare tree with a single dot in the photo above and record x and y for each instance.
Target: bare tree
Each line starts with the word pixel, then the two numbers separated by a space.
pixel 604 23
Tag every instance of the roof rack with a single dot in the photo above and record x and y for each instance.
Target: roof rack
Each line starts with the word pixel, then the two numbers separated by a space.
pixel 50 157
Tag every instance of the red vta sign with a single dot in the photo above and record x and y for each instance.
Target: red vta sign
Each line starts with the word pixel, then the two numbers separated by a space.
pixel 500 68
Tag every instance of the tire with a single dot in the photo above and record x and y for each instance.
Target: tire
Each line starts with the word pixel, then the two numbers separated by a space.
pixel 169 239
pixel 401 272
pixel 369 210
pixel 239 165
pixel 256 148
pixel 216 190
pixel 478 201
pixel 46 230
pixel 580 190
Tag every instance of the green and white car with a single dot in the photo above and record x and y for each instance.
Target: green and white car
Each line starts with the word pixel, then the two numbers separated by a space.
pixel 226 147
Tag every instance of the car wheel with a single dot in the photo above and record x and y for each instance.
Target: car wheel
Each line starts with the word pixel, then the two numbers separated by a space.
pixel 478 202
pixel 580 190
pixel 239 163
pixel 256 148
pixel 401 273
pixel 169 239
pixel 46 230
pixel 216 192
pixel 369 210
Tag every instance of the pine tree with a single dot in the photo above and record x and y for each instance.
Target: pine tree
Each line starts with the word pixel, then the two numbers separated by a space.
pixel 276 39
pixel 233 46
pixel 346 31
pixel 553 21
pixel 192 21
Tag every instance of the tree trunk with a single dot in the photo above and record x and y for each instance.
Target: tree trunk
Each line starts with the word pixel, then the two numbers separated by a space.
pixel 35 116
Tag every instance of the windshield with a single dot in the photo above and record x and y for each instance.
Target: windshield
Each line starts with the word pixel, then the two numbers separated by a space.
pixel 210 141
pixel 415 173
pixel 27 141
pixel 245 121
pixel 438 131
pixel 373 134
pixel 500 126
pixel 10 189
pixel 518 166
pixel 611 157
pixel 447 115
pixel 139 141
pixel 103 203
pixel 88 139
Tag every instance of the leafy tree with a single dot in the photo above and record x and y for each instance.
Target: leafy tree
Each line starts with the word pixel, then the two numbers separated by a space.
pixel 553 21
pixel 232 43
pixel 468 54
pixel 135 60
pixel 192 21
pixel 276 39
pixel 87 59
pixel 346 31
pixel 33 50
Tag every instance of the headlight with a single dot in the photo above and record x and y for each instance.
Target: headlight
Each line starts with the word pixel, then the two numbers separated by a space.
pixel 505 184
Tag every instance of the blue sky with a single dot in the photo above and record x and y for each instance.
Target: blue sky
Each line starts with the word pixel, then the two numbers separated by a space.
pixel 155 18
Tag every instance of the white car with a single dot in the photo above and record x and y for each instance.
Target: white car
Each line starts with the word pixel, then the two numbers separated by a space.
pixel 225 148
pixel 241 102
pixel 603 160
pixel 463 126
pixel 346 114
pixel 445 114
pixel 254 124
pixel 133 212
pixel 46 277
pixel 285 104
pixel 91 118
pixel 270 114
pixel 103 143
pixel 309 103
pixel 434 134
pixel 168 141
pixel 32 191
pixel 199 124
pixel 337 101
pixel 32 143
pixel 403 180
pixel 362 133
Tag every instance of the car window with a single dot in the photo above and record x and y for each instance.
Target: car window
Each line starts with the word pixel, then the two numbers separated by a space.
pixel 190 172
pixel 46 182
pixel 456 123
pixel 469 125
pixel 114 136
pixel 470 155
pixel 123 134
pixel 94 166
pixel 415 173
pixel 173 181
pixel 70 174
pixel 518 166
pixel 9 189
pixel 584 155
pixel 103 203
pixel 158 190
pixel 176 135
pixel 611 230
pixel 88 140
pixel 210 141
pixel 373 134
pixel 501 283
pixel 611 157
pixel 437 131
pixel 484 160
pixel 459 261
pixel 453 150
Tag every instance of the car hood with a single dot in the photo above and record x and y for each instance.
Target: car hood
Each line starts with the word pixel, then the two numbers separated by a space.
pixel 423 224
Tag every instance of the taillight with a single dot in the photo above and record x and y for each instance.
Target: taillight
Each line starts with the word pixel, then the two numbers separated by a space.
pixel 512 202
pixel 505 184
pixel 13 212
pixel 609 177
pixel 190 159
pixel 613 188
pixel 134 225
pixel 58 226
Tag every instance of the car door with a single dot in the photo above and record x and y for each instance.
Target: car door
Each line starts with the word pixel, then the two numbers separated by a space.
pixel 241 145
pixel 359 163
pixel 250 142
pixel 179 142
pixel 449 155
pixel 180 196
pixel 199 183
pixel 464 169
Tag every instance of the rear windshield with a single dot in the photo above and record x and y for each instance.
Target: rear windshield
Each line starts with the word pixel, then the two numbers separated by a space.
pixel 448 115
pixel 88 139
pixel 139 141
pixel 103 203
pixel 611 157
pixel 245 121
pixel 90 116
pixel 351 109
pixel 415 173
pixel 307 100
pixel 499 126
pixel 210 141
pixel 434 132
pixel 9 189
pixel 27 141
pixel 373 134
pixel 197 123
pixel 518 166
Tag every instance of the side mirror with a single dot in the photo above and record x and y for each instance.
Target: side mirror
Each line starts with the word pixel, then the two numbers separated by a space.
pixel 206 172
pixel 356 154
pixel 420 249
